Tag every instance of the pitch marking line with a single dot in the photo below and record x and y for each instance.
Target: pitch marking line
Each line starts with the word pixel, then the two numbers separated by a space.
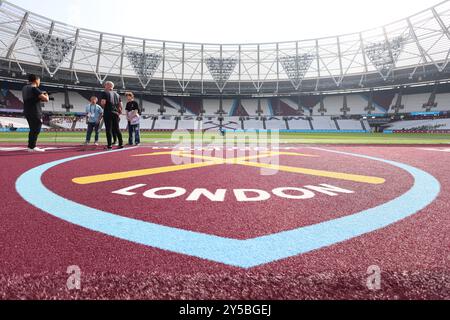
pixel 437 150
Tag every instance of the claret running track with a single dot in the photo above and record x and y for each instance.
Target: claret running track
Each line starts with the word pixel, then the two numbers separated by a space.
pixel 301 221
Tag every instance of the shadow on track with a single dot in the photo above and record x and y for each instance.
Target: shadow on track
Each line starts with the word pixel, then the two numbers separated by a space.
pixel 51 150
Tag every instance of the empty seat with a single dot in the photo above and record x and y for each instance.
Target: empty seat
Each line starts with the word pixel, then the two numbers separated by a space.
pixel 323 123
pixel 165 123
pixel 299 124
pixel 253 124
pixel 275 124
pixel 350 125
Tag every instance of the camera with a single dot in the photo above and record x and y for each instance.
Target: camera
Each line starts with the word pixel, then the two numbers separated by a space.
pixel 50 96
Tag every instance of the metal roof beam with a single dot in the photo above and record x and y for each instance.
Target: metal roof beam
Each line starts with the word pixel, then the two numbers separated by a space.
pixel 441 23
pixel 19 32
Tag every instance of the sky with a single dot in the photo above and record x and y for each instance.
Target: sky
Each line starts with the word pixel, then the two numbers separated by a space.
pixel 227 21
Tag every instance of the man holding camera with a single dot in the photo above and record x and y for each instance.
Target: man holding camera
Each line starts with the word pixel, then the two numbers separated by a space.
pixel 33 98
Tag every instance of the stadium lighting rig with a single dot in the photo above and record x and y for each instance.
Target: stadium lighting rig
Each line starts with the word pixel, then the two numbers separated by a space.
pixel 51 49
pixel 144 64
pixel 384 55
pixel 221 69
pixel 296 67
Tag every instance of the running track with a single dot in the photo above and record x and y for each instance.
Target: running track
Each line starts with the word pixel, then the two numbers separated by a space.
pixel 36 248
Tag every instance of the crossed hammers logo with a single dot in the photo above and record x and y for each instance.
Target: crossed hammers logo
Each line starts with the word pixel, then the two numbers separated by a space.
pixel 208 161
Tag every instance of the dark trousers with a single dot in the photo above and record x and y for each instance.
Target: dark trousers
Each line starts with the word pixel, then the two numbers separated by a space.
pixel 133 129
pixel 35 124
pixel 92 127
pixel 112 127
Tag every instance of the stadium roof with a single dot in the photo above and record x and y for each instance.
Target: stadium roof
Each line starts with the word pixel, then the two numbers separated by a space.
pixel 410 50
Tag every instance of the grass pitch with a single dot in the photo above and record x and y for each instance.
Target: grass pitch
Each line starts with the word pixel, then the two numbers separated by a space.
pixel 168 138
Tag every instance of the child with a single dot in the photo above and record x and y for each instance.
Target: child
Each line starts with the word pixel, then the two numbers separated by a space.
pixel 133 117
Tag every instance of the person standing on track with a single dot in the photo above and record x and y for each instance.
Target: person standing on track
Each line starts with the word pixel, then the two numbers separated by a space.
pixel 133 117
pixel 94 116
pixel 112 108
pixel 33 98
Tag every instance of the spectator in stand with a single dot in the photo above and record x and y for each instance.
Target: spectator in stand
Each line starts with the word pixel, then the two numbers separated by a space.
pixel 133 117
pixel 32 109
pixel 94 116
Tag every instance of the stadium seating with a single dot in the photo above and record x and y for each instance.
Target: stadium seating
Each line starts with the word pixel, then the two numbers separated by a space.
pixel 18 123
pixel 79 102
pixel 165 123
pixel 81 124
pixel 413 102
pixel 382 100
pixel 56 105
pixel 146 123
pixel 123 124
pixel 350 125
pixel 434 124
pixel 212 106
pixel 357 105
pixel 323 123
pixel 17 94
pixel 443 102
pixel 227 105
pixel 275 123
pixel 210 123
pixel 150 108
pixel 251 106
pixel 174 107
pixel 366 125
pixel 193 105
pixel 188 123
pixel 253 124
pixel 297 123
pixel 10 102
pixel 171 111
pixel 333 105
pixel 63 123
pixel 288 108
pixel 232 123
pixel 274 110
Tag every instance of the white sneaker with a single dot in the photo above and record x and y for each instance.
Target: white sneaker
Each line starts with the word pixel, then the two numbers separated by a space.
pixel 36 150
pixel 96 144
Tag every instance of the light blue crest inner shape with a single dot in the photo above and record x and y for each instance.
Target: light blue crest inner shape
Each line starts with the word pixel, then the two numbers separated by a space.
pixel 238 253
